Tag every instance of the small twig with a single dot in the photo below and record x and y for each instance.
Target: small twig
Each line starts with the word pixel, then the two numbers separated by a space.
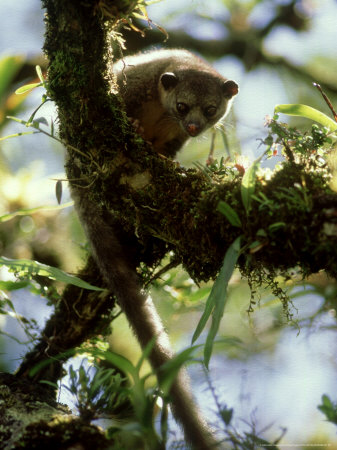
pixel 90 157
pixel 157 275
pixel 32 124
pixel 326 98
pixel 77 179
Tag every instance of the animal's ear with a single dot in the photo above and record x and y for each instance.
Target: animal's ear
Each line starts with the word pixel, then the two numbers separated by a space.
pixel 230 88
pixel 168 80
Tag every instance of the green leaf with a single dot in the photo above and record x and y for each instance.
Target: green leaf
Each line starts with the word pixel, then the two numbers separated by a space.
pixel 28 123
pixel 27 267
pixel 27 87
pixel 254 244
pixel 117 360
pixel 261 233
pixel 199 294
pixel 275 226
pixel 40 75
pixel 49 383
pixel 216 301
pixel 13 285
pixel 230 214
pixel 248 184
pixel 17 134
pixel 120 362
pixel 326 401
pixel 169 370
pixel 16 119
pixel 146 353
pixel 329 409
pixel 226 415
pixel 308 112
pixel 27 212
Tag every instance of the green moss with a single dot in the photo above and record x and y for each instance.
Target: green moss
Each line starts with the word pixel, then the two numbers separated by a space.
pixel 176 210
pixel 63 433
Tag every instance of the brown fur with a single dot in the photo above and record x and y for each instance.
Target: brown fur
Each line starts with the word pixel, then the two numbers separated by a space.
pixel 153 100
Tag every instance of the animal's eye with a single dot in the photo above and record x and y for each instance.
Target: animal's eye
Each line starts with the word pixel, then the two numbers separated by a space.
pixel 210 111
pixel 182 108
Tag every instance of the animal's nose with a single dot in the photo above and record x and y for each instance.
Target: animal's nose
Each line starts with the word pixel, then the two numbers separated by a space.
pixel 193 129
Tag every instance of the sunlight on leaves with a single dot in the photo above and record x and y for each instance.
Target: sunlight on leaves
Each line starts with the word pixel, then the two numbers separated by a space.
pixel 308 112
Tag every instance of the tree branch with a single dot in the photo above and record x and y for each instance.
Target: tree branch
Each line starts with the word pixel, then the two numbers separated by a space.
pixel 160 206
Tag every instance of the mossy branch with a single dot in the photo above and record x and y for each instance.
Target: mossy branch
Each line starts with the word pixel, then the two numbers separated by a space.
pixel 157 206
pixel 152 197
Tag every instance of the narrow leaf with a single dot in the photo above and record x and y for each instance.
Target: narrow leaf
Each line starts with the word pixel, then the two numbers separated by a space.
pixel 217 299
pixel 27 123
pixel 308 112
pixel 17 135
pixel 146 353
pixel 169 370
pixel 26 267
pixel 220 296
pixel 23 122
pixel 205 316
pixel 275 226
pixel 39 74
pixel 13 285
pixel 49 383
pixel 120 362
pixel 138 15
pixel 230 214
pixel 26 212
pixel 27 87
